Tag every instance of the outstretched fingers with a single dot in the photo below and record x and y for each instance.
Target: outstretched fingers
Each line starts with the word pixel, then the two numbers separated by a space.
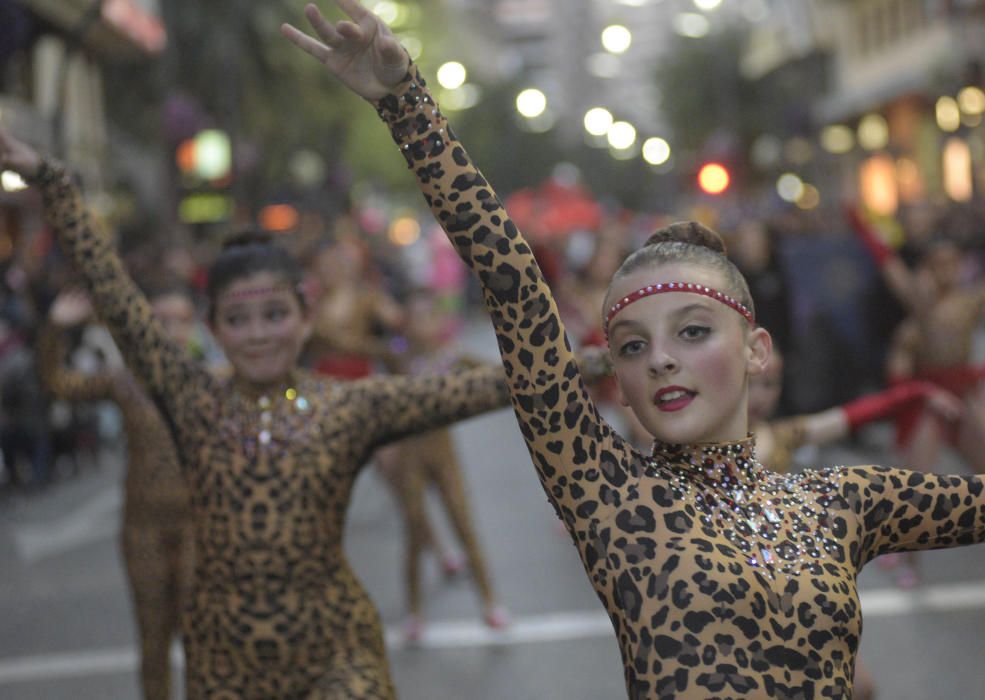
pixel 323 28
pixel 305 42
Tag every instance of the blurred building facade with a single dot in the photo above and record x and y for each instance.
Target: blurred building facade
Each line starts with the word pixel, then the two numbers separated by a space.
pixel 52 56
pixel 897 121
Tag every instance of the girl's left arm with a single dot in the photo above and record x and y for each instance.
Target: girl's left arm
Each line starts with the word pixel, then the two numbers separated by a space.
pixel 399 405
pixel 899 510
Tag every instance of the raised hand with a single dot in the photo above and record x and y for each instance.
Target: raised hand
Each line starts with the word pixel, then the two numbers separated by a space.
pixel 70 308
pixel 362 53
pixel 17 156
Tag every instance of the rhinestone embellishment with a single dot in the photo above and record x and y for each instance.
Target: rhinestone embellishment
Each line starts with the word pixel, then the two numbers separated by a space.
pixel 778 522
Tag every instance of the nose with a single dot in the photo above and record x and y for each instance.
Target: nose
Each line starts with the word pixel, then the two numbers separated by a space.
pixel 661 362
pixel 256 331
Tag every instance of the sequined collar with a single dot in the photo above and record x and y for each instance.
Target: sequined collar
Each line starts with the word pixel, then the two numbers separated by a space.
pixel 713 463
pixel 779 523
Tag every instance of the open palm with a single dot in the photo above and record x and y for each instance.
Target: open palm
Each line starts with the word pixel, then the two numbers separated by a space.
pixel 362 53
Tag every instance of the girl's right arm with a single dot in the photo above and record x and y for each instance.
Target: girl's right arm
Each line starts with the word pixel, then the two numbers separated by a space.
pixel 580 460
pixel 172 378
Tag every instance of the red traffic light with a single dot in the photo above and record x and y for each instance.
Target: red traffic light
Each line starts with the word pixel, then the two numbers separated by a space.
pixel 713 178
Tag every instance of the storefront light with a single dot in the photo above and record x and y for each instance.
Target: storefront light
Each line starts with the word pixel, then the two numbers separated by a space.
pixel 873 132
pixel 790 187
pixel 948 114
pixel 877 183
pixel 810 198
pixel 971 100
pixel 957 170
pixel 837 139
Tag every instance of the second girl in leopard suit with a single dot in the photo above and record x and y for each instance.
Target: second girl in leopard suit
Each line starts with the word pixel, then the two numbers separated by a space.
pixel 269 456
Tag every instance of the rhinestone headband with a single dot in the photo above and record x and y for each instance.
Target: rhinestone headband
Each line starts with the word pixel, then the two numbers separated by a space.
pixel 258 291
pixel 688 287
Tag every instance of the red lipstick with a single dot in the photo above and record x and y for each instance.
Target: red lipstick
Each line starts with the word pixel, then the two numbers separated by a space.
pixel 673 398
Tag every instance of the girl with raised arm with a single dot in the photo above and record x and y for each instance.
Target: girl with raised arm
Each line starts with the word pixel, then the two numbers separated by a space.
pixel 156 536
pixel 269 456
pixel 721 577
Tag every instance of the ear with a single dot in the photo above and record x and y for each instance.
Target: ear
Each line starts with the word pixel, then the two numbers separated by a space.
pixel 759 347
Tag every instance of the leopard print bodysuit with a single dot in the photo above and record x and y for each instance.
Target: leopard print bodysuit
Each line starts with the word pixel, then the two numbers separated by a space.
pixel 722 579
pixel 156 536
pixel 275 610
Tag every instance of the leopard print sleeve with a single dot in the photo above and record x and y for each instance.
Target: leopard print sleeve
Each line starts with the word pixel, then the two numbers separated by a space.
pixel 399 405
pixel 579 459
pixel 66 383
pixel 182 387
pixel 900 510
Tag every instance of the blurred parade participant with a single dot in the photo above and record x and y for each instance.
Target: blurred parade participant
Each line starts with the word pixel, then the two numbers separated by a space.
pixel 721 578
pixel 270 457
pixel 934 344
pixel 157 528
pixel 25 442
pixel 430 459
pixel 583 293
pixel 352 312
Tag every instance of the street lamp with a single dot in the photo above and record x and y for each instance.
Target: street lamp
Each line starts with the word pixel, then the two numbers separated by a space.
pixel 598 120
pixel 616 38
pixel 621 135
pixel 531 103
pixel 656 151
pixel 451 75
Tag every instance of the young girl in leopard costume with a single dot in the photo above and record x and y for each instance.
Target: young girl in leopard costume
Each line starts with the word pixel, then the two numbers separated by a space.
pixel 721 577
pixel 269 456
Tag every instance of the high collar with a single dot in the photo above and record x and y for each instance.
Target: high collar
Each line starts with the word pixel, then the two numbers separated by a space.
pixel 716 463
pixel 270 393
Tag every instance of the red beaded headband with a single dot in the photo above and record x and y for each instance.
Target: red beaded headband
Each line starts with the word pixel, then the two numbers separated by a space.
pixel 687 287
pixel 257 291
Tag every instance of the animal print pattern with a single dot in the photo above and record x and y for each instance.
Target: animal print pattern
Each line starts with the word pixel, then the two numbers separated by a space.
pixel 156 537
pixel 693 618
pixel 275 609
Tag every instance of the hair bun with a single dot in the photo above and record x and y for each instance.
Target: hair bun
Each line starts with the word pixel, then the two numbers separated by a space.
pixel 690 232
pixel 245 237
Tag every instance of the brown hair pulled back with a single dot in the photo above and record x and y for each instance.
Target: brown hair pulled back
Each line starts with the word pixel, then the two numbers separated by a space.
pixel 692 243
pixel 246 253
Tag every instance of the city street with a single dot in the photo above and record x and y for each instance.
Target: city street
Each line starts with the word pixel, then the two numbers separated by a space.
pixel 66 630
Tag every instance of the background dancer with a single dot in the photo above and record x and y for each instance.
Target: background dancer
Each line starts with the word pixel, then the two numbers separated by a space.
pixel 720 577
pixel 934 343
pixel 156 536
pixel 430 459
pixel 270 457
